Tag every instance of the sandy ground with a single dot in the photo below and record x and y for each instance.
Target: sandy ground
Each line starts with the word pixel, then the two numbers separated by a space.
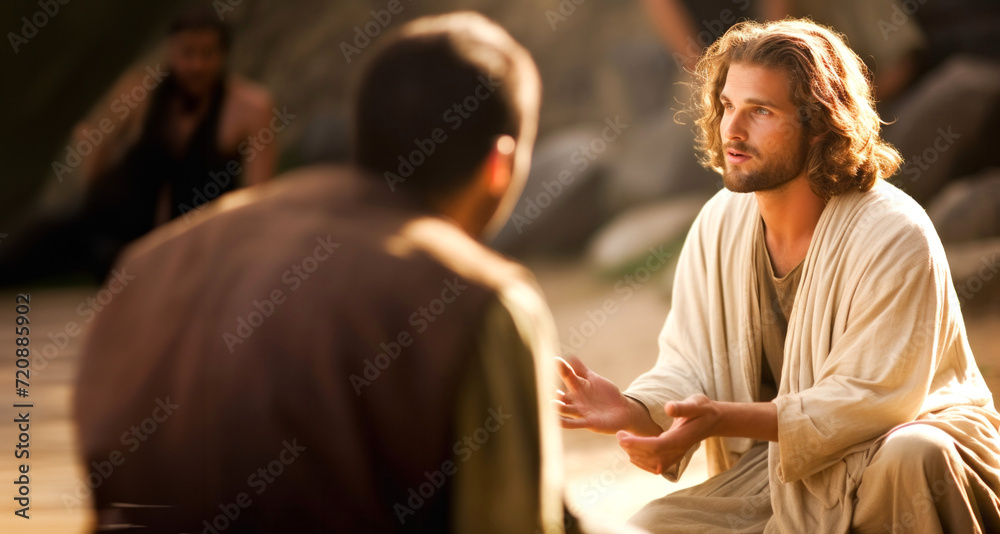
pixel 601 484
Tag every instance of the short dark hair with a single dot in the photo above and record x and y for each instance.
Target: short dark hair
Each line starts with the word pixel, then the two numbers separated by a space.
pixel 435 98
pixel 201 18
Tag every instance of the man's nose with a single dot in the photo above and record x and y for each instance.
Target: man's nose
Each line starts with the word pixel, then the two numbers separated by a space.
pixel 734 127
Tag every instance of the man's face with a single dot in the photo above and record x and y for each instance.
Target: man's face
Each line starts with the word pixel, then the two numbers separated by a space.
pixel 196 59
pixel 763 142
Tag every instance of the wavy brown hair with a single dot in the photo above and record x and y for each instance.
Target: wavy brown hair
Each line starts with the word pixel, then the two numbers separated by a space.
pixel 830 87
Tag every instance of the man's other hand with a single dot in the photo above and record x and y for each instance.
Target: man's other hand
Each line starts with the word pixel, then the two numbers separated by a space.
pixel 695 419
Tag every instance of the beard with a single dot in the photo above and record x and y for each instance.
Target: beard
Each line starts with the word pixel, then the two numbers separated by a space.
pixel 771 175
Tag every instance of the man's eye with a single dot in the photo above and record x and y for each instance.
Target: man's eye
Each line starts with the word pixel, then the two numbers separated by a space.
pixel 762 111
pixel 727 106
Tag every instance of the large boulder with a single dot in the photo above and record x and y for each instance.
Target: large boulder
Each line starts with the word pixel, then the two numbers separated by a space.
pixel 657 160
pixel 563 199
pixel 944 126
pixel 975 269
pixel 627 240
pixel 968 209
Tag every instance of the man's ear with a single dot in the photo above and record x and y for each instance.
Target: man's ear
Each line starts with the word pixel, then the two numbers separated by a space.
pixel 499 166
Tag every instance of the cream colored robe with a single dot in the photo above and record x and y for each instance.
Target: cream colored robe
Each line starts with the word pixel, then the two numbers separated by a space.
pixel 875 339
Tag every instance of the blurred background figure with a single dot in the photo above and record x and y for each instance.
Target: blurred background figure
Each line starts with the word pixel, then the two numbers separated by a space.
pixel 164 142
pixel 196 136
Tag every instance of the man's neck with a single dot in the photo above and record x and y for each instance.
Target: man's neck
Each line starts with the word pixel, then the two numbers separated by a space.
pixel 466 209
pixel 790 215
pixel 193 103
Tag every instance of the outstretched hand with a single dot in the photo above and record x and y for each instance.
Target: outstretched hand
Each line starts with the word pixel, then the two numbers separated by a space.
pixel 590 400
pixel 695 419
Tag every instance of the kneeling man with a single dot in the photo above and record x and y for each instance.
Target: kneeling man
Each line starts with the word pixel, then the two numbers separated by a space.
pixel 815 341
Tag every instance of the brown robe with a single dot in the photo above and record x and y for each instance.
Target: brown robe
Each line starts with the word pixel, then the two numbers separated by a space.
pixel 332 358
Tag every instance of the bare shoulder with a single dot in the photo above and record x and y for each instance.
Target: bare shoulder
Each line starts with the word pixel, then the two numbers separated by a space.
pixel 248 105
pixel 249 96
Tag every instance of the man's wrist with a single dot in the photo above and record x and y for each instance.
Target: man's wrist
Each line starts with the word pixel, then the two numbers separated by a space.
pixel 639 420
pixel 757 420
pixel 722 418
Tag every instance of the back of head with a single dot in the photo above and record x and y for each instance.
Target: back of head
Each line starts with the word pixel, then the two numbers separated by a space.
pixel 435 99
pixel 830 86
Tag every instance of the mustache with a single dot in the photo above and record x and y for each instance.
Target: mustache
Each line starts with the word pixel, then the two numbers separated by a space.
pixel 741 147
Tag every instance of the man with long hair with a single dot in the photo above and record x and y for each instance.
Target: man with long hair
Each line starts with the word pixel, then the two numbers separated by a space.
pixel 815 341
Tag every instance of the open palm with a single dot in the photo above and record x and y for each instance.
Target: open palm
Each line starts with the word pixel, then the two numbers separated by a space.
pixel 590 400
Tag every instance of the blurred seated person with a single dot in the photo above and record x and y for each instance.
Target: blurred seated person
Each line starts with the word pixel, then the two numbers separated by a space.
pixel 173 140
pixel 191 126
pixel 335 351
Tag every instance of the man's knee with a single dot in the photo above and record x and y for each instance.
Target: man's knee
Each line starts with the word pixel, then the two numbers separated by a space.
pixel 916 449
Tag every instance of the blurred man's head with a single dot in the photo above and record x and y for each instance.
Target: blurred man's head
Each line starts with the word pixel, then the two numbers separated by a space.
pixel 198 42
pixel 784 99
pixel 447 112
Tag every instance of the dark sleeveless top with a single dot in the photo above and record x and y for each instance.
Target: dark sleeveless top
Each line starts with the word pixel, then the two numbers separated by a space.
pixel 120 205
pixel 122 202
